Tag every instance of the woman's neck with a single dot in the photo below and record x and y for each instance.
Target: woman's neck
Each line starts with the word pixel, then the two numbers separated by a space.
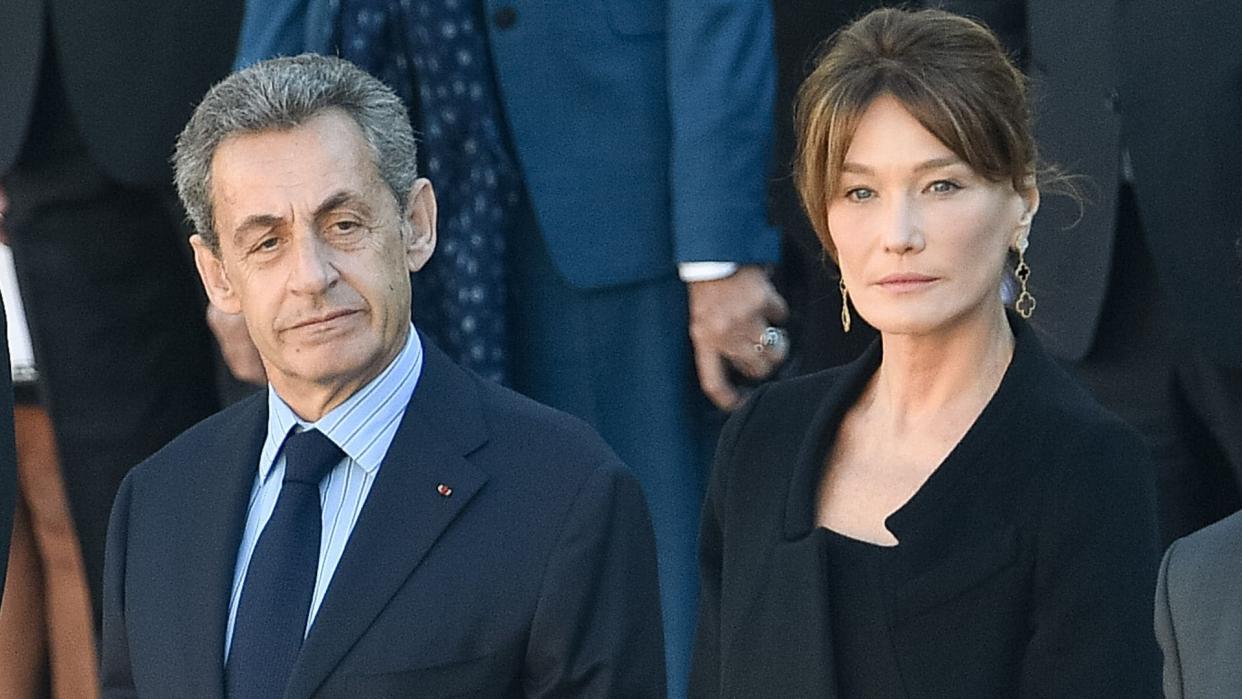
pixel 929 380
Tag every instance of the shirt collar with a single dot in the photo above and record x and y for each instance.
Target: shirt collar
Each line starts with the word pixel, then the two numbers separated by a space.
pixel 355 424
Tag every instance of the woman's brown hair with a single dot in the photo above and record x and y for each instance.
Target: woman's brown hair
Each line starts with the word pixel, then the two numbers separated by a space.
pixel 951 73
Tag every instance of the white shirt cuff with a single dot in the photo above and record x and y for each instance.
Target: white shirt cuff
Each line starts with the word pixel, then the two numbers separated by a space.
pixel 705 271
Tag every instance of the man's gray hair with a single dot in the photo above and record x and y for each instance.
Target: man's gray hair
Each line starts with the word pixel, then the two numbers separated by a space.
pixel 281 94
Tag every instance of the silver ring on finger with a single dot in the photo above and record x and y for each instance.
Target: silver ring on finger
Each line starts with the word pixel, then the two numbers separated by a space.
pixel 771 338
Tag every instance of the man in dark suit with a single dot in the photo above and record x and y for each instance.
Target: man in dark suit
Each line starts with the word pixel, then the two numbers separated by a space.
pixel 1199 613
pixel 1139 289
pixel 94 94
pixel 380 522
pixel 638 135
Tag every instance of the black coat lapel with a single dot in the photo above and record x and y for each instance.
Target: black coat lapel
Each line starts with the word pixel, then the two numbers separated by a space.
pixel 205 550
pixel 404 514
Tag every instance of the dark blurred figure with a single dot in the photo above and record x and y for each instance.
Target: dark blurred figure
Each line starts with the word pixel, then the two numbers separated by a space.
pixel 806 277
pixel 47 638
pixel 1143 296
pixel 94 95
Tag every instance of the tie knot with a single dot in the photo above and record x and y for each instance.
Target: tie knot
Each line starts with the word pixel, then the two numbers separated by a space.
pixel 309 456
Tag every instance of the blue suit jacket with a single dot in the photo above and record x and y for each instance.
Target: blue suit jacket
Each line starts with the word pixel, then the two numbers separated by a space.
pixel 535 577
pixel 642 127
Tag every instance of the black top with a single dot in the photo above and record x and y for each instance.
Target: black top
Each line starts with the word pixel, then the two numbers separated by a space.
pixel 862 644
pixel 1025 567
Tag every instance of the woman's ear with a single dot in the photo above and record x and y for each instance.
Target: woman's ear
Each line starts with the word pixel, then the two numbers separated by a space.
pixel 1030 205
pixel 215 278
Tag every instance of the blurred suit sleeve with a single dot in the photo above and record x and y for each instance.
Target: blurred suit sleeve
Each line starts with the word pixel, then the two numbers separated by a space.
pixel 271 28
pixel 721 87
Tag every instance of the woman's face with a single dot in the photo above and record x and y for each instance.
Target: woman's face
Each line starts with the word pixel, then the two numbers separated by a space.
pixel 921 238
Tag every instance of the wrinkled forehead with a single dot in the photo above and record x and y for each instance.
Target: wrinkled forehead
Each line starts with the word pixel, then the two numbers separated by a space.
pixel 293 172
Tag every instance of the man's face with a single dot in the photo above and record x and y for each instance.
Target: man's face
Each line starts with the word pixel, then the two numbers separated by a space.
pixel 315 253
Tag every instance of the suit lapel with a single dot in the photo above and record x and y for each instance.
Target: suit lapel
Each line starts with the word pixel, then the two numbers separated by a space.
pixel 214 512
pixel 405 513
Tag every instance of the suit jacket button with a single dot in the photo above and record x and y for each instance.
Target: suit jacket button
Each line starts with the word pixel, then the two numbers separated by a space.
pixel 505 17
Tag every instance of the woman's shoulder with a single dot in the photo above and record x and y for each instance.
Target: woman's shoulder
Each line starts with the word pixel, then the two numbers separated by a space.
pixel 788 405
pixel 1061 438
pixel 1060 409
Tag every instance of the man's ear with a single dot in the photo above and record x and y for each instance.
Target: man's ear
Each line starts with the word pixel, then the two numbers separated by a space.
pixel 215 279
pixel 420 220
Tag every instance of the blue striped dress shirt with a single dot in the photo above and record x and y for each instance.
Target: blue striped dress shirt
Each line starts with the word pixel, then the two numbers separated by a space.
pixel 363 427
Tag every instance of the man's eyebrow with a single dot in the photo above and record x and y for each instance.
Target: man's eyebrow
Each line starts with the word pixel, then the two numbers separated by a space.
pixel 269 221
pixel 255 222
pixel 339 199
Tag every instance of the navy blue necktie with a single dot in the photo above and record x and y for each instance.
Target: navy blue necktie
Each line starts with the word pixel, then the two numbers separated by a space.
pixel 276 596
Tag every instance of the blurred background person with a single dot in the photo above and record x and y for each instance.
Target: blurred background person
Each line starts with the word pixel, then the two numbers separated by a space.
pixel 1182 98
pixel 603 173
pixel 8 458
pixel 95 94
pixel 949 512
pixel 47 639
pixel 1199 613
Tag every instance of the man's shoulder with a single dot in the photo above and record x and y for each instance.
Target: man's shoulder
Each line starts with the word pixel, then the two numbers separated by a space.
pixel 209 436
pixel 536 435
pixel 1210 556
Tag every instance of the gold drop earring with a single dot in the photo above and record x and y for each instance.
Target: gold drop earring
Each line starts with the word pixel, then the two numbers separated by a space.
pixel 1025 303
pixel 845 306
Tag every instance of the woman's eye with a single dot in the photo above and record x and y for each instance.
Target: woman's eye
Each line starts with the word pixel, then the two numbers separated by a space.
pixel 943 186
pixel 859 194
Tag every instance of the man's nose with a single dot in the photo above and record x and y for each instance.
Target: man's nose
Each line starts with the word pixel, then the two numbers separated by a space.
pixel 313 270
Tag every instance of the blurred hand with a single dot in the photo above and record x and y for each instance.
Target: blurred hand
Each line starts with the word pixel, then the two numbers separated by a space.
pixel 727 320
pixel 238 349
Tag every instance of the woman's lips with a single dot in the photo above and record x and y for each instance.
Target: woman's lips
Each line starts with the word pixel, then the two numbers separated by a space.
pixel 906 281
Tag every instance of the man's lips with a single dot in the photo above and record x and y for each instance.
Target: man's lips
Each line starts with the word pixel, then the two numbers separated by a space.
pixel 320 318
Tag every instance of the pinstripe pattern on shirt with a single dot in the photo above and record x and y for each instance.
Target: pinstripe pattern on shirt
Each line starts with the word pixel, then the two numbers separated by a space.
pixel 363 427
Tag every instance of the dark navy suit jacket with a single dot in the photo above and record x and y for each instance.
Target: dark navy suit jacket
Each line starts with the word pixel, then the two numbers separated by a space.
pixel 535 577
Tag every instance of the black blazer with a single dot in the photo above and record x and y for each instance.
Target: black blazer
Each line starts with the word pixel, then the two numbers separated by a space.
pixel 132 72
pixel 536 577
pixel 1026 564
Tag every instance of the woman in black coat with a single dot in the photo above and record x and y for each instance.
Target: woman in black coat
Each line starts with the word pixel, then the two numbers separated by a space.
pixel 950 515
